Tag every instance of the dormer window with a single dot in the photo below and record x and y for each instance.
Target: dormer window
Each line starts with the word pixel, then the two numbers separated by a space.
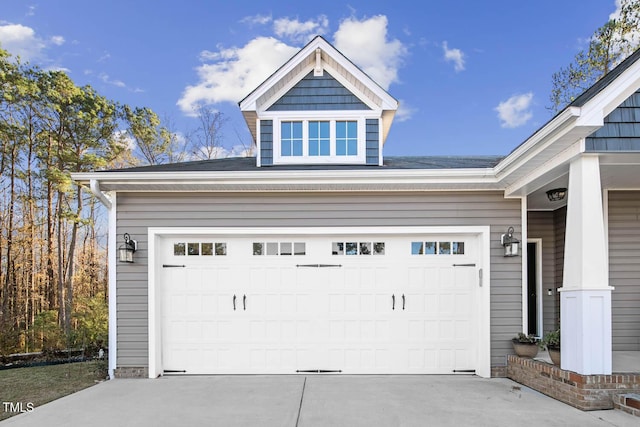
pixel 346 138
pixel 319 141
pixel 319 138
pixel 291 139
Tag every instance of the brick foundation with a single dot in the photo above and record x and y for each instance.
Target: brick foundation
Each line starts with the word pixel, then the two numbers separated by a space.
pixel 498 372
pixel 131 373
pixel 629 403
pixel 585 392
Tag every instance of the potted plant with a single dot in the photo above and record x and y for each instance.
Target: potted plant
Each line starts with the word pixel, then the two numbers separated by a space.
pixel 552 343
pixel 525 345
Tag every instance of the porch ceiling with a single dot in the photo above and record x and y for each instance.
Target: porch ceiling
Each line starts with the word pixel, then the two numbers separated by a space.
pixel 618 171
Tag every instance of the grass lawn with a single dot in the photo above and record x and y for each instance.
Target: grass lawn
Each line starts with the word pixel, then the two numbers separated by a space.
pixel 42 384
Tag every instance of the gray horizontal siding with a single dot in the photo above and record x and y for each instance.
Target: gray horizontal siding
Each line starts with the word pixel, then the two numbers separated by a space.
pixel 621 130
pixel 624 268
pixel 138 211
pixel 541 225
pixel 314 93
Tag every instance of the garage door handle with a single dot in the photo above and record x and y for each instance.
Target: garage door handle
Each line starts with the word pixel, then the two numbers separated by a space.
pixel 403 301
pixel 393 302
pixel 244 302
pixel 234 303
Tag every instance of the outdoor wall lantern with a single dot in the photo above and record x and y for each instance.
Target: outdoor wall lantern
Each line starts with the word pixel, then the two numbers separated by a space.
pixel 126 251
pixel 556 194
pixel 510 243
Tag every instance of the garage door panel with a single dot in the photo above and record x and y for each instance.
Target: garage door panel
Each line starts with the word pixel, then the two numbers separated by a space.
pixel 318 310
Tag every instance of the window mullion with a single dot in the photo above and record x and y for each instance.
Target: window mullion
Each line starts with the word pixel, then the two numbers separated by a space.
pixel 305 138
pixel 332 138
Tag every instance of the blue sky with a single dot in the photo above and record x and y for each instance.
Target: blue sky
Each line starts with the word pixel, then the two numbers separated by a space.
pixel 472 78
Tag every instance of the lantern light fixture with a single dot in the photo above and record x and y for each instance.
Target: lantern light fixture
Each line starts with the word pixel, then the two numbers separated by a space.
pixel 556 194
pixel 127 250
pixel 510 243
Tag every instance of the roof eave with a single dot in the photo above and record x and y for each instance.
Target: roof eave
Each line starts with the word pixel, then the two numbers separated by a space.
pixel 296 180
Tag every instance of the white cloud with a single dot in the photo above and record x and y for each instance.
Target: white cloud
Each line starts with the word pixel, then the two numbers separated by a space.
pixel 234 72
pixel 515 111
pixel 57 40
pixel 256 19
pixel 21 41
pixel 365 43
pixel 31 11
pixel 105 57
pixel 405 112
pixel 230 74
pixel 108 80
pixel 454 55
pixel 295 30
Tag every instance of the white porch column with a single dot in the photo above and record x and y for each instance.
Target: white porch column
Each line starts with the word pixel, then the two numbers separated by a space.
pixel 585 307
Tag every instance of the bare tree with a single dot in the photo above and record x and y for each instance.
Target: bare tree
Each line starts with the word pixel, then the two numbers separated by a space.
pixel 206 142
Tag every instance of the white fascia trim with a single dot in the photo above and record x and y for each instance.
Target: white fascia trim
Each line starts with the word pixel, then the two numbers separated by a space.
pixel 537 142
pixel 483 367
pixel 266 177
pixel 112 283
pixel 564 157
pixel 616 92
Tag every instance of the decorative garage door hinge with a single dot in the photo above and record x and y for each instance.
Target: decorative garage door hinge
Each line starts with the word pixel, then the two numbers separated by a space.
pixel 173 266
pixel 317 371
pixel 318 265
pixel 465 371
pixel 174 371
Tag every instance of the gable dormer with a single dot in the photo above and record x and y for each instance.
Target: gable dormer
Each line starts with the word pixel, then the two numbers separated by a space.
pixel 319 108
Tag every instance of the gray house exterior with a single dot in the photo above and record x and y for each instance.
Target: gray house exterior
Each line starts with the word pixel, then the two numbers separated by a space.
pixel 321 254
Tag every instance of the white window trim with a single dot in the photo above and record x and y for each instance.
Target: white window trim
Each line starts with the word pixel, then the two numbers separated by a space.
pixel 333 117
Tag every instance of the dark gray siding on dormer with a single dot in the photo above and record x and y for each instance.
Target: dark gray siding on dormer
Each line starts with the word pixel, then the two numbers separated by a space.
pixel 266 142
pixel 373 141
pixel 318 94
pixel 621 130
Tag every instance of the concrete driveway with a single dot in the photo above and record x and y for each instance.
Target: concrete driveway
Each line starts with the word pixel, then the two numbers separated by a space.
pixel 305 401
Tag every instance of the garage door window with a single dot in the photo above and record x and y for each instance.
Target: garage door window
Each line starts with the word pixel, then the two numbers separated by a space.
pixel 279 248
pixel 437 248
pixel 199 249
pixel 357 248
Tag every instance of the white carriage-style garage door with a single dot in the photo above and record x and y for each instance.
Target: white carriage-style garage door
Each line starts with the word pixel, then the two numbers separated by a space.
pixel 354 304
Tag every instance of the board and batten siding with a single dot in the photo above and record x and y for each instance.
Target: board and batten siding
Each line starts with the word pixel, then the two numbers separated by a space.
pixel 624 269
pixel 138 211
pixel 541 225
